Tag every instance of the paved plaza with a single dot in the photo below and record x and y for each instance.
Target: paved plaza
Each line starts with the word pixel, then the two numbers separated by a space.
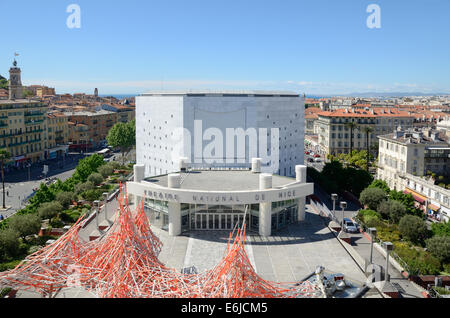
pixel 288 256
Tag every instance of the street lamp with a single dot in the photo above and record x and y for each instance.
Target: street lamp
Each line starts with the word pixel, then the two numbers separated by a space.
pixel 373 234
pixel 389 247
pixel 343 205
pixel 105 199
pixel 29 172
pixel 97 205
pixel 334 197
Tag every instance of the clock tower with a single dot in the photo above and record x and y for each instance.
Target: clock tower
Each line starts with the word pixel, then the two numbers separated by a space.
pixel 15 82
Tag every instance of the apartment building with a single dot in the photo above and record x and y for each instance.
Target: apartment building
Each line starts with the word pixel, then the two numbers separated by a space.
pixel 124 113
pixel 310 118
pixel 40 90
pixel 57 135
pixel 412 152
pixel 88 130
pixel 22 124
pixel 334 132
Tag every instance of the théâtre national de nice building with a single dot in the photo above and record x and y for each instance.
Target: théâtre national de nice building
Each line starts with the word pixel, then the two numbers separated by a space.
pixel 208 160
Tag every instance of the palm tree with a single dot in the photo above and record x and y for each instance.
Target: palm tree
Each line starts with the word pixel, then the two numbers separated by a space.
pixel 4 156
pixel 351 125
pixel 367 130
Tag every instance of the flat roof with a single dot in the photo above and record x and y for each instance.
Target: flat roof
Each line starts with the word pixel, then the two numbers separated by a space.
pixel 20 101
pixel 220 180
pixel 223 93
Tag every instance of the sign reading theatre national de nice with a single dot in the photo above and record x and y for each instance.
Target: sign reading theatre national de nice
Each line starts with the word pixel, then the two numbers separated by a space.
pixel 210 197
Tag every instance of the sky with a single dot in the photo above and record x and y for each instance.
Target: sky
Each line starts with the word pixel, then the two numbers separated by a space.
pixel 317 47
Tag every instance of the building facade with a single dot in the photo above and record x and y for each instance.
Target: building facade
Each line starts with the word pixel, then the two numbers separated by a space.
pixel 22 124
pixel 334 133
pixel 172 125
pixel 411 152
pixel 88 130
pixel 219 199
pixel 57 135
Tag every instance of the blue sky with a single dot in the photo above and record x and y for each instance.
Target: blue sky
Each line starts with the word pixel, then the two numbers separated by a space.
pixel 316 47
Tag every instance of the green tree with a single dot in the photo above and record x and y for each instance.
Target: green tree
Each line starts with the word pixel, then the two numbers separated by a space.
pixel 4 157
pixel 44 194
pixel 106 170
pixel 25 224
pixel 96 178
pixel 9 244
pixel 65 198
pixel 372 197
pixel 123 136
pixel 439 246
pixel 87 166
pixel 380 184
pixel 441 229
pixel 408 201
pixel 82 187
pixel 413 228
pixel 4 84
pixel 49 210
pixel 26 93
pixel 391 209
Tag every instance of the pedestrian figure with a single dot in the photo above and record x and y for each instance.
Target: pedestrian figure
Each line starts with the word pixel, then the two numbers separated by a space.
pixel 1 217
pixel 7 193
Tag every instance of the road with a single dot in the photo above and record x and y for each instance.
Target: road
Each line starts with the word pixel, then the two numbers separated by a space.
pixel 18 186
pixel 362 246
pixel 309 161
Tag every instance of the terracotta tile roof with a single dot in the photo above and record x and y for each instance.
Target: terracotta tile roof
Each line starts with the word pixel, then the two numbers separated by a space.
pixel 359 112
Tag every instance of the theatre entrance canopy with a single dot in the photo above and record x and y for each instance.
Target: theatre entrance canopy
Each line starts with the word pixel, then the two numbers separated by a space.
pixel 220 199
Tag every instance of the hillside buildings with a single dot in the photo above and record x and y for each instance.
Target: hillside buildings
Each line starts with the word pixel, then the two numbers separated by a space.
pixel 42 126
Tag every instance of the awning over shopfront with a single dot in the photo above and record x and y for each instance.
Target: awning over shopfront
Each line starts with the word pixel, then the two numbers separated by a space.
pixel 419 198
pixel 433 207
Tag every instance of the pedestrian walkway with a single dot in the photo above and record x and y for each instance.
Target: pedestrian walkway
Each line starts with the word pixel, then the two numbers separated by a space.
pixel 287 256
pixel 362 246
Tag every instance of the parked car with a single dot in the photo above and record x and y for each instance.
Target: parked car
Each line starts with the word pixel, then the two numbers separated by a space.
pixel 349 226
pixel 318 160
pixel 316 156
pixel 306 152
pixel 310 160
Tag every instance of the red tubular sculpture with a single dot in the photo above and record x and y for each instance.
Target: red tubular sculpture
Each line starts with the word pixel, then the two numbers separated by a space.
pixel 124 263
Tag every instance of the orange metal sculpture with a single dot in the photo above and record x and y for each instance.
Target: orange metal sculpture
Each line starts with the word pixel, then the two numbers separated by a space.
pixel 124 263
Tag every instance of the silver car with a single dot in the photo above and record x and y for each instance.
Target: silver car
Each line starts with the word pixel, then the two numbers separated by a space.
pixel 349 226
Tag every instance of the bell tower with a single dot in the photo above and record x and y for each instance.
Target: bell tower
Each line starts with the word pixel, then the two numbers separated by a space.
pixel 15 82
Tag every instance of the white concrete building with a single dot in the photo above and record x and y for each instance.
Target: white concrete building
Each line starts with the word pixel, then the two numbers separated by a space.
pixel 220 199
pixel 203 126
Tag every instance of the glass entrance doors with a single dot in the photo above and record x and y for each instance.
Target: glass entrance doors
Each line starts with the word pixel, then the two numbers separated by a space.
pixel 218 221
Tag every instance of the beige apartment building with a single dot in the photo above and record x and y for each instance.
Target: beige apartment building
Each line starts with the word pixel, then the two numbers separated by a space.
pixel 57 135
pixel 22 124
pixel 334 133
pixel 411 152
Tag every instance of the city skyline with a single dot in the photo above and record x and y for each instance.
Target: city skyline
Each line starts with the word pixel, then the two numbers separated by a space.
pixel 134 47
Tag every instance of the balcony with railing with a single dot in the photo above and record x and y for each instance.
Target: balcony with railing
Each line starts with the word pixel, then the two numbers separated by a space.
pixel 33 122
pixel 31 114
